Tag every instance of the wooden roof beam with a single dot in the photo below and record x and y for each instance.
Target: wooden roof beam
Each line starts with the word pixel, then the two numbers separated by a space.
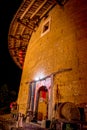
pixel 20 21
pixel 29 6
pixel 19 38
pixel 45 12
pixel 38 9
pixel 23 34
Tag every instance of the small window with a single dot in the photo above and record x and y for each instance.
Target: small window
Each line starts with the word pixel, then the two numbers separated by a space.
pixel 45 27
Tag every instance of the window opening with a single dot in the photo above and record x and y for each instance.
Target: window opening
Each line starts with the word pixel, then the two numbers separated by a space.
pixel 45 27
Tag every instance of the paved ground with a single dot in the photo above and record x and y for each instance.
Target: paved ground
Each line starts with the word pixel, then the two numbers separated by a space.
pixel 8 123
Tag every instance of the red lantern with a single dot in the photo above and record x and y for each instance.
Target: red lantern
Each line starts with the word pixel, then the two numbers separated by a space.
pixel 20 53
pixel 21 60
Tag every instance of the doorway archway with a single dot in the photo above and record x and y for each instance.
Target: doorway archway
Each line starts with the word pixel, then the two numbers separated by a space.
pixel 42 103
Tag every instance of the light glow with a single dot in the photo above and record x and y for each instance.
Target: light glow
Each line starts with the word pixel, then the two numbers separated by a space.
pixel 39 76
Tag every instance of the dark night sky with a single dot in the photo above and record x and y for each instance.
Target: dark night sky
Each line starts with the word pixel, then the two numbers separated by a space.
pixel 10 73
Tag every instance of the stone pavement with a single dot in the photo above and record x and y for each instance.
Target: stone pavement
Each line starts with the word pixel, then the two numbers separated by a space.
pixel 8 123
pixel 30 126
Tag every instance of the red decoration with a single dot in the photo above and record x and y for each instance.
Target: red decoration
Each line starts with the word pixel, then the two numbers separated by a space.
pixel 21 59
pixel 21 62
pixel 20 52
pixel 44 94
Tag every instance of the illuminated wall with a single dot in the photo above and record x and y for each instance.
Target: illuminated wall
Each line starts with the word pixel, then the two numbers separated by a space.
pixel 62 47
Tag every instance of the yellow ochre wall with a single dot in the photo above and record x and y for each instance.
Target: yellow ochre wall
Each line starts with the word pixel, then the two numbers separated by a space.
pixel 63 47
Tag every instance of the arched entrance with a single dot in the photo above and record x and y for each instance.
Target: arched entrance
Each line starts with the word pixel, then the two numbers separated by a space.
pixel 42 103
pixel 40 99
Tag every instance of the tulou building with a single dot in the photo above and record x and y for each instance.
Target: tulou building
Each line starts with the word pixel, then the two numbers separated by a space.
pixel 48 40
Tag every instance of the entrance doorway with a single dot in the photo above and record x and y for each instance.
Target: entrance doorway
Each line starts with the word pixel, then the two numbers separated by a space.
pixel 42 103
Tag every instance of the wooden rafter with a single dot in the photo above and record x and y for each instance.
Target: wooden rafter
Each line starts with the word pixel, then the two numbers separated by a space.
pixel 29 6
pixel 19 38
pixel 46 11
pixel 24 24
pixel 38 9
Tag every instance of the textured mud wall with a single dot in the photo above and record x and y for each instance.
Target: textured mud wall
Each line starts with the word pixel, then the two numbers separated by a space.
pixel 64 46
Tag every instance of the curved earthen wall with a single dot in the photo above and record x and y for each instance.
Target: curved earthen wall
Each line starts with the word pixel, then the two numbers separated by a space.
pixel 63 47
